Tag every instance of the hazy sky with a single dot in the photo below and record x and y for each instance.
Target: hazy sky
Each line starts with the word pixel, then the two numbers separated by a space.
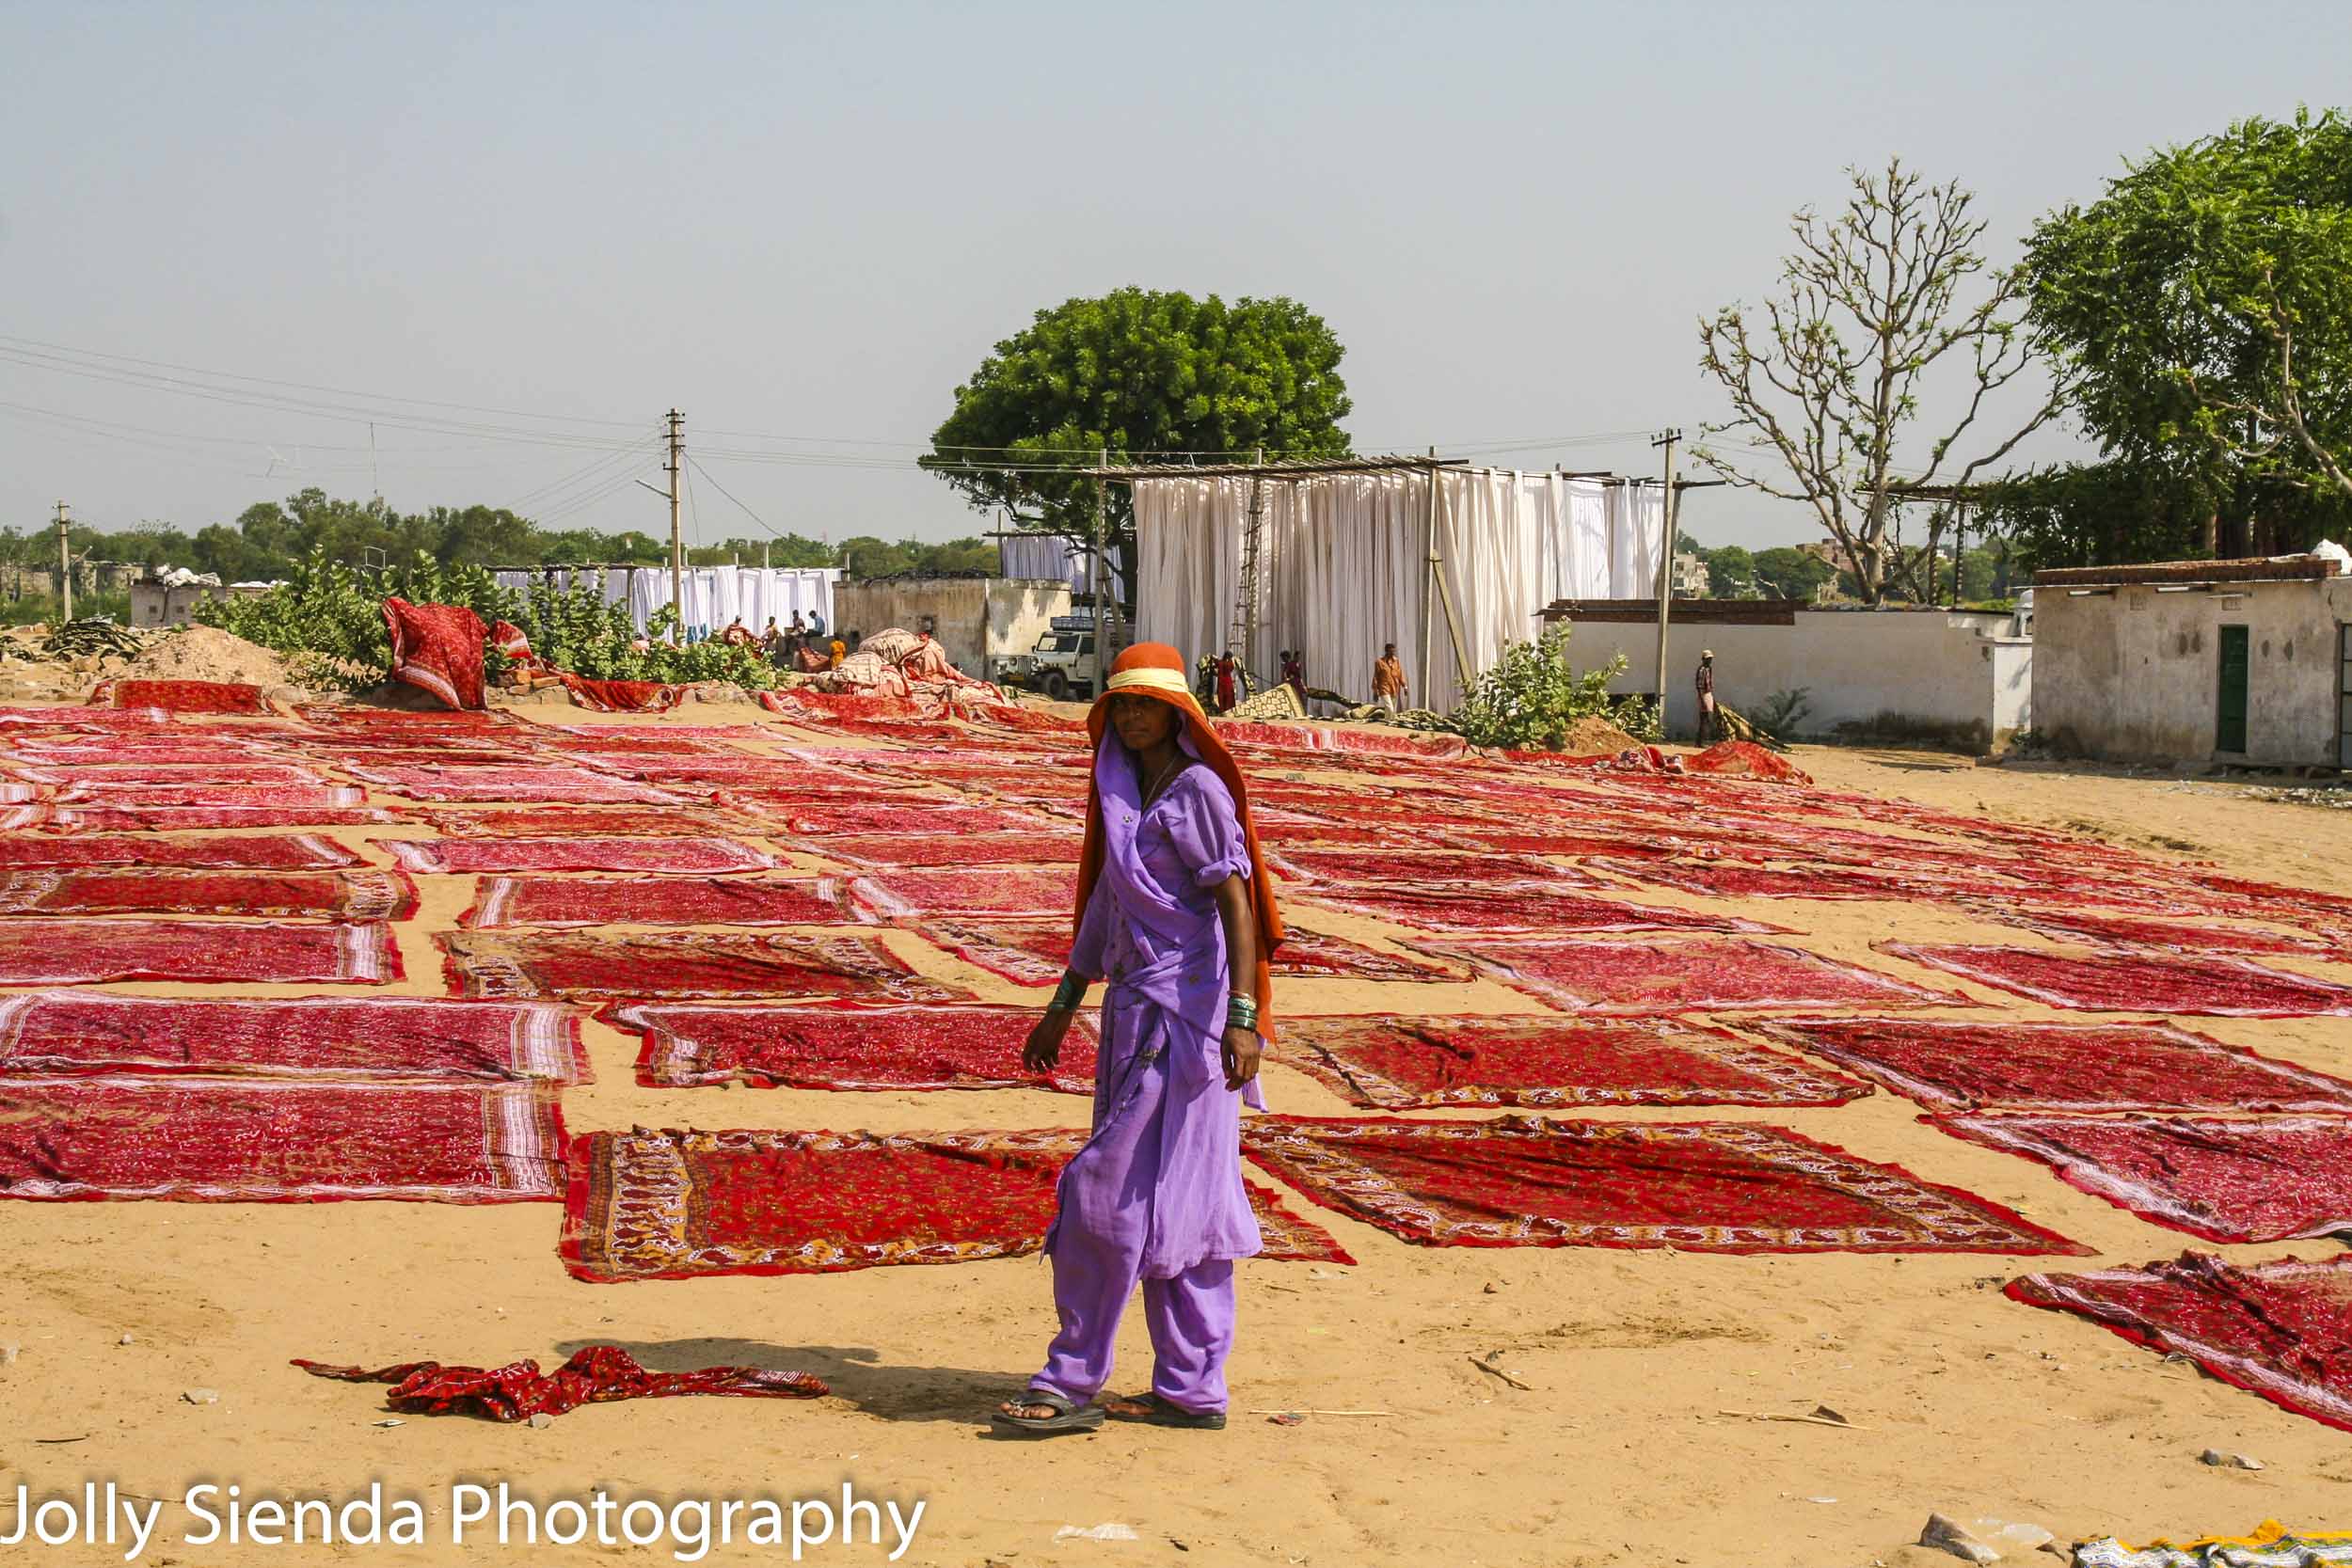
pixel 806 224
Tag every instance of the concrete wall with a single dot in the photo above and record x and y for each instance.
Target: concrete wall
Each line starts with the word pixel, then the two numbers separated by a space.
pixel 975 619
pixel 2135 674
pixel 1954 671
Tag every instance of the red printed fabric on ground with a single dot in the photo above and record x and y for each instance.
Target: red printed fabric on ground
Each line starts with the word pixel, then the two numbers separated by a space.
pixel 849 1048
pixel 1956 1064
pixel 260 1141
pixel 2205 936
pixel 2126 983
pixel 2283 1329
pixel 608 968
pixel 526 784
pixel 585 822
pixel 329 894
pixel 1347 867
pixel 1034 951
pixel 1691 977
pixel 133 796
pixel 905 851
pixel 894 816
pixel 35 951
pixel 909 895
pixel 160 820
pixel 595 1374
pixel 1415 1062
pixel 684 1205
pixel 231 771
pixel 1698 1186
pixel 1723 879
pixel 2255 1178
pixel 372 1038
pixel 182 696
pixel 262 852
pixel 553 902
pixel 1472 908
pixel 668 856
pixel 437 648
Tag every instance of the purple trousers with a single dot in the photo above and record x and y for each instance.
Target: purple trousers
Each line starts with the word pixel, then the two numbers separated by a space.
pixel 1098 1245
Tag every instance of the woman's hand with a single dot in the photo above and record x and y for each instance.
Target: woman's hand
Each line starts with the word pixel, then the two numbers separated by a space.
pixel 1241 1049
pixel 1042 1052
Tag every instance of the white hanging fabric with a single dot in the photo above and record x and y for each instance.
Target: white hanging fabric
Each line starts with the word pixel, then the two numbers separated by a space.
pixel 1344 565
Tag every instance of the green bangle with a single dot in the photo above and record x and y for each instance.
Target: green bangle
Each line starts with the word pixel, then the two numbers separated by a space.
pixel 1067 995
pixel 1241 1012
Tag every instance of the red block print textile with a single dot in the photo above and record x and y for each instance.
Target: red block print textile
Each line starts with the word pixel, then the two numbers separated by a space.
pixel 906 895
pixel 1288 831
pixel 437 649
pixel 673 856
pixel 1472 907
pixel 182 696
pixel 494 784
pixel 2126 932
pixel 229 770
pixel 622 696
pixel 901 851
pixel 1344 867
pixel 2281 1329
pixel 583 822
pixel 388 721
pixel 92 952
pixel 2269 1179
pixel 329 895
pixel 849 1048
pixel 1955 1065
pixel 1402 1064
pixel 685 1205
pixel 1567 842
pixel 1034 952
pixel 1725 880
pixel 270 852
pixel 263 1141
pixel 610 968
pixel 704 766
pixel 1692 976
pixel 1746 758
pixel 1700 1186
pixel 161 819
pixel 595 1374
pixel 98 792
pixel 909 814
pixel 507 901
pixel 311 1037
pixel 2127 983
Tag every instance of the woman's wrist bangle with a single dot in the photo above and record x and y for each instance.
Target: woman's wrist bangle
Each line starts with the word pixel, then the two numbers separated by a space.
pixel 1241 1012
pixel 1067 995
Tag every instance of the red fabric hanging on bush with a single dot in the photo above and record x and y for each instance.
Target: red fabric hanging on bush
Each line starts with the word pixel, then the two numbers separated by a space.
pixel 437 648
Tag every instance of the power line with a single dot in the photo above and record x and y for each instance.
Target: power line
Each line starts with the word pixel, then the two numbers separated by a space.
pixel 696 464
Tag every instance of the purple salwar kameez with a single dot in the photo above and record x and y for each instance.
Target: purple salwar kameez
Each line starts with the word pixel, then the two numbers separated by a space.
pixel 1156 1193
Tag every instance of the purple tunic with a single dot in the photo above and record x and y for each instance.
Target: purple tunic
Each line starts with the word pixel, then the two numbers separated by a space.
pixel 1163 1169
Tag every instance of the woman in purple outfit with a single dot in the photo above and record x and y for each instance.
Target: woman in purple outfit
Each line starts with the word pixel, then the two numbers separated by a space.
pixel 1175 912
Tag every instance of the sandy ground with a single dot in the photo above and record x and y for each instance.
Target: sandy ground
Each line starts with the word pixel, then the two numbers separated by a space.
pixel 1618 1452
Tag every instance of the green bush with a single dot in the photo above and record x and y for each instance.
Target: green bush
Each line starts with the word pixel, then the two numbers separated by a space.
pixel 1529 698
pixel 328 618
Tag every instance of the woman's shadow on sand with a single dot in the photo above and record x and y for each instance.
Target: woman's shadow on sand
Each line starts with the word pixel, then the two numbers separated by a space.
pixel 857 1373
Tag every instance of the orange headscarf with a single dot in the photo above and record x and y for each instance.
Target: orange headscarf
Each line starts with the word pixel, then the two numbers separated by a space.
pixel 1157 671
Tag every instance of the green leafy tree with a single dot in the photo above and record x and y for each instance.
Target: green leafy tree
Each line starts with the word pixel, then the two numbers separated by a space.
pixel 1879 306
pixel 1731 572
pixel 1529 698
pixel 1786 572
pixel 1139 373
pixel 2203 307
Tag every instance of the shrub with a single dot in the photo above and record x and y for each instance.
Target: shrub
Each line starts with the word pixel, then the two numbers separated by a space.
pixel 1529 698
pixel 1781 712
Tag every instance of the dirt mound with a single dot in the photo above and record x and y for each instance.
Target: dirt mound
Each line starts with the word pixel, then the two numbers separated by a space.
pixel 1596 737
pixel 208 654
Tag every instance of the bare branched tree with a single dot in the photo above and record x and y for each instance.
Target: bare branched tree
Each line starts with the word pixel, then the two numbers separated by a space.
pixel 1870 304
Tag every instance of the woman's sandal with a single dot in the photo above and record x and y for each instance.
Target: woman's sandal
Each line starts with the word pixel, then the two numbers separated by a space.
pixel 1155 1411
pixel 1066 1417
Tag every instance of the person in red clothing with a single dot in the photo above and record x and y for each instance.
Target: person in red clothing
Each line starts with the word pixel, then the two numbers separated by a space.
pixel 1228 673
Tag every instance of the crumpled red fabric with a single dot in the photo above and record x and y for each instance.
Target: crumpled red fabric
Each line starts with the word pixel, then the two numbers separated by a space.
pixel 1746 757
pixel 622 696
pixel 598 1375
pixel 437 648
pixel 180 696
pixel 510 640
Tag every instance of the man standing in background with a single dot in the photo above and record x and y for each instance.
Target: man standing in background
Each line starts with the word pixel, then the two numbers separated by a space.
pixel 1711 723
pixel 1388 680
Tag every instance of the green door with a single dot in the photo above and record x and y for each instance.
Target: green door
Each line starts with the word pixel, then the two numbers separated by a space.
pixel 2230 733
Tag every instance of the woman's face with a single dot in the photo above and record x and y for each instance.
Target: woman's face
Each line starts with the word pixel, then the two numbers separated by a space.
pixel 1143 723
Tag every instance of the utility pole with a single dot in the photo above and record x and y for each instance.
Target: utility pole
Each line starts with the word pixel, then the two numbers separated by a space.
pixel 1100 576
pixel 1665 438
pixel 677 540
pixel 65 571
